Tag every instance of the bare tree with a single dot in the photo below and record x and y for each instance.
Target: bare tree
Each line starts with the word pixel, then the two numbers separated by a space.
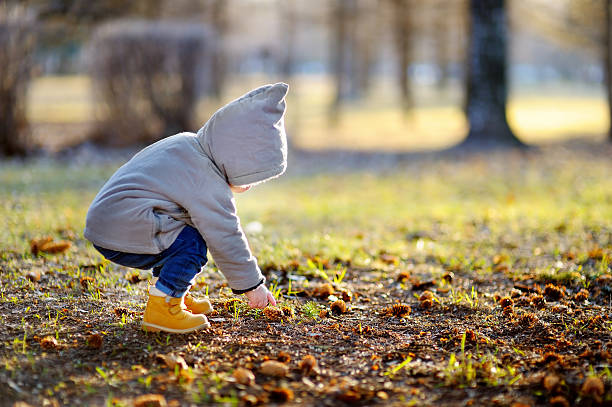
pixel 218 19
pixel 288 20
pixel 146 77
pixel 342 12
pixel 402 26
pixel 352 51
pixel 16 47
pixel 486 80
pixel 607 42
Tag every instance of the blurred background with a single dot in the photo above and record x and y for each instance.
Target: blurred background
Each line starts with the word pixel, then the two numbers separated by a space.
pixel 383 75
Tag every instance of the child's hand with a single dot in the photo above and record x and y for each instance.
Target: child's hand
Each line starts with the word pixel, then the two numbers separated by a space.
pixel 260 297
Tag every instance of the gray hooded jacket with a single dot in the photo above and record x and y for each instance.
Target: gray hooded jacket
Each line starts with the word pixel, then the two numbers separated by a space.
pixel 184 180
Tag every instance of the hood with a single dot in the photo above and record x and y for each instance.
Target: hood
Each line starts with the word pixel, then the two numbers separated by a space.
pixel 246 138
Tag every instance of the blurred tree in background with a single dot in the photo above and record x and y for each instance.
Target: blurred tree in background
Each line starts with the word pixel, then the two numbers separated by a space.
pixel 17 40
pixel 487 88
pixel 464 46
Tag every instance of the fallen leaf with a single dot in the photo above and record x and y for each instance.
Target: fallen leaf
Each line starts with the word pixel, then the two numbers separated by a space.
pixel 389 259
pixel 134 278
pixel 593 387
pixel 49 343
pixel 86 281
pixel 308 364
pixel 150 400
pixel 323 291
pixel 398 310
pixel 551 382
pixel 171 361
pixel 35 244
pixel 55 247
pixel 338 307
pixel 244 376
pixel 274 368
pixel 283 357
pixel 33 276
pixel 95 341
pixel 558 401
pixel 553 292
pixel 427 295
pixel 273 313
pixel 281 395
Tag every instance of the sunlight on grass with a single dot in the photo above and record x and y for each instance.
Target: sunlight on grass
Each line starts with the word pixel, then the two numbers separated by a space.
pixel 60 99
pixel 537 119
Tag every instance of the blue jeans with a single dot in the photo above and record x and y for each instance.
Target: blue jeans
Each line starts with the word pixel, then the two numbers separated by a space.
pixel 176 266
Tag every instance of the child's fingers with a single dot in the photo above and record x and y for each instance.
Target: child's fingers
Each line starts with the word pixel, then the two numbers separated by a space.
pixel 271 299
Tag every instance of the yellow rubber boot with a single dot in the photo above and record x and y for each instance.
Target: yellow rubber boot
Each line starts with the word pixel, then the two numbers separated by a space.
pixel 168 314
pixel 198 306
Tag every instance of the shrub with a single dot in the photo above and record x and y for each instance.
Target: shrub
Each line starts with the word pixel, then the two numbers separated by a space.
pixel 147 76
pixel 17 41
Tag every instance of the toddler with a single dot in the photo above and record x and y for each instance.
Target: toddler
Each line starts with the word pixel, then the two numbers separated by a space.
pixel 173 200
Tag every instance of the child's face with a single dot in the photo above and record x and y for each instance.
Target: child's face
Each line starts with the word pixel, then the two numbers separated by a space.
pixel 238 190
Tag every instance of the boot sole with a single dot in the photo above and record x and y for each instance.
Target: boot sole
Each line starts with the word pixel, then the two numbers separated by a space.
pixel 149 327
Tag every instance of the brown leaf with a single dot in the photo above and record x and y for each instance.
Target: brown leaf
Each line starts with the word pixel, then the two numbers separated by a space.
pixel 403 276
pixel 150 400
pixel 55 247
pixel 581 295
pixel 95 341
pixel 121 311
pixel 36 243
pixel 389 259
pixel 134 278
pixel 171 361
pixel 244 376
pixel 274 368
pixel 593 386
pixel 427 295
pixel 273 313
pixel 558 401
pixel 283 357
pixel 338 307
pixel 281 395
pixel 422 285
pixel 287 312
pixel 49 343
pixel 308 364
pixel 553 292
pixel 86 281
pixel 323 291
pixel 398 310
pixel 33 276
pixel 347 296
pixel 506 302
pixel 551 382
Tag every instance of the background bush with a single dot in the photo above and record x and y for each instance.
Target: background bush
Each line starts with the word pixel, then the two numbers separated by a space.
pixel 147 77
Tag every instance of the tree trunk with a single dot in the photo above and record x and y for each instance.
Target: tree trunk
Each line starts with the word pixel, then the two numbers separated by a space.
pixel 340 53
pixel 608 62
pixel 289 21
pixel 219 20
pixel 486 81
pixel 16 60
pixel 402 32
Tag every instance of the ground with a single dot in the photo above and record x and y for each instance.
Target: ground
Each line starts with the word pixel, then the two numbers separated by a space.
pixel 468 279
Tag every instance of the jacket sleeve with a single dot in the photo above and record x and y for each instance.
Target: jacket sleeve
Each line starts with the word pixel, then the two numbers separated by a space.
pixel 212 209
